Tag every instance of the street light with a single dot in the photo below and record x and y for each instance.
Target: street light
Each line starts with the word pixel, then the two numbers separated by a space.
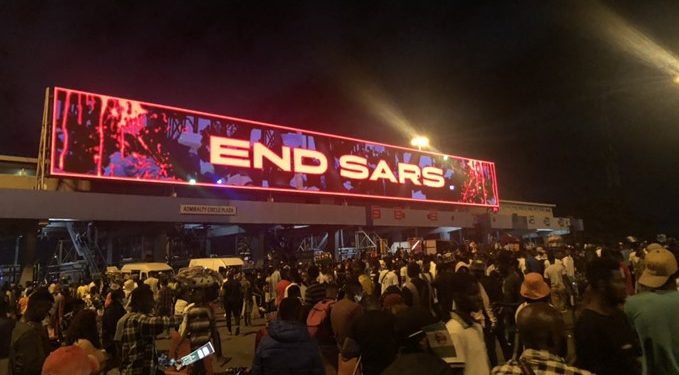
pixel 676 79
pixel 419 141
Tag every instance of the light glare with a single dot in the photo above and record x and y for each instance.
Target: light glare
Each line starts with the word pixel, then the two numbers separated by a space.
pixel 419 141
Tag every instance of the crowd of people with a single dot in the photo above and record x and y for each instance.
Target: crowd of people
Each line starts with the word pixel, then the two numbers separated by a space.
pixel 475 310
pixel 533 310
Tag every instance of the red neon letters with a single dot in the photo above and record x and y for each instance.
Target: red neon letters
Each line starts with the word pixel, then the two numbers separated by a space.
pixel 239 153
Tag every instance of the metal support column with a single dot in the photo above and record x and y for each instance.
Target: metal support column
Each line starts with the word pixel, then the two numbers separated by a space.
pixel 43 151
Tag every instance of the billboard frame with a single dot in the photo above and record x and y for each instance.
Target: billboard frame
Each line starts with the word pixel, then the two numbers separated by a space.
pixel 53 147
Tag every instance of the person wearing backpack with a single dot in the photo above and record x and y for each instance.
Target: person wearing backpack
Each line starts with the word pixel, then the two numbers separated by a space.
pixel 320 327
pixel 318 320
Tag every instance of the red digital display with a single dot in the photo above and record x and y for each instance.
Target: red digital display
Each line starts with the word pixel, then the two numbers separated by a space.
pixel 104 137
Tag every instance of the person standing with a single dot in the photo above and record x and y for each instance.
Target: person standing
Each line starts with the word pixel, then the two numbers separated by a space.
pixel 511 299
pixel 569 265
pixel 389 277
pixel 543 332
pixel 233 301
pixel 532 263
pixel 486 316
pixel 466 333
pixel 200 328
pixel 273 280
pixel 30 344
pixel 315 291
pixel 112 314
pixel 605 342
pixel 288 348
pixel 57 312
pixel 6 326
pixel 346 311
pixel 653 313
pixel 375 334
pixel 152 282
pixel 83 332
pixel 138 332
pixel 282 285
pixel 554 274
pixel 165 299
pixel 246 287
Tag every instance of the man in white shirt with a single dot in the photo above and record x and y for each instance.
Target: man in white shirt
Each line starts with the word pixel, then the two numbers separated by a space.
pixel 388 278
pixel 555 273
pixel 404 273
pixel 466 333
pixel 569 265
pixel 273 281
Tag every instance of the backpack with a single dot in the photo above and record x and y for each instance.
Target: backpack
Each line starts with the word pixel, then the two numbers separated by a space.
pixel 318 321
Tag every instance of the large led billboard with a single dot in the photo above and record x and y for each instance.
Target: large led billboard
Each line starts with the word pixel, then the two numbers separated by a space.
pixel 104 137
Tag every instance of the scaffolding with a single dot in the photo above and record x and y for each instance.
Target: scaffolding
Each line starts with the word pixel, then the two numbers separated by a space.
pixel 43 151
pixel 363 242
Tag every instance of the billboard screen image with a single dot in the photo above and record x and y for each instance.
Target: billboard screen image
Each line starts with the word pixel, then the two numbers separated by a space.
pixel 103 137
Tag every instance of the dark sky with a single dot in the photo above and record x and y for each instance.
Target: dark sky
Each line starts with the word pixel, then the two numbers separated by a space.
pixel 539 87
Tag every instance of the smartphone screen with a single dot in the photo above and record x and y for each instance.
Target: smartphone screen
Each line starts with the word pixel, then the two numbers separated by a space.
pixel 198 354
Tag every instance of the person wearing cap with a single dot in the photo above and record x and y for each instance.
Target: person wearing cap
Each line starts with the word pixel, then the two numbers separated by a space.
pixel 653 313
pixel 605 342
pixel 534 289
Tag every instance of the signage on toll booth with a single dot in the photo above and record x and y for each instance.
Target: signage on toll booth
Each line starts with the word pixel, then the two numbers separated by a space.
pixel 201 209
pixel 387 216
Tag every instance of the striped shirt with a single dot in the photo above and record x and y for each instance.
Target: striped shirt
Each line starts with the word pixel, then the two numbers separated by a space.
pixel 314 293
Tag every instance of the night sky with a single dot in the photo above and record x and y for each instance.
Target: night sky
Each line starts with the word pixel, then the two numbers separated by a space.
pixel 551 91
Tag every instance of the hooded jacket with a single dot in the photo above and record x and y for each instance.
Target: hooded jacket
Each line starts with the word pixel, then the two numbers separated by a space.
pixel 287 350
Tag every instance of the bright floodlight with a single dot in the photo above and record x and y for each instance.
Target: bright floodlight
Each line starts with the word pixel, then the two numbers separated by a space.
pixel 192 181
pixel 419 142
pixel 676 79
